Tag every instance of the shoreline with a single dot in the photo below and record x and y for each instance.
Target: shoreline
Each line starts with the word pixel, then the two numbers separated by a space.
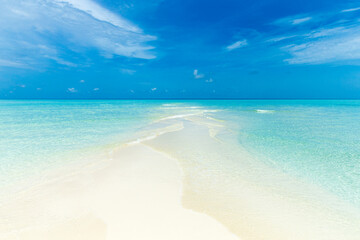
pixel 177 176
pixel 257 201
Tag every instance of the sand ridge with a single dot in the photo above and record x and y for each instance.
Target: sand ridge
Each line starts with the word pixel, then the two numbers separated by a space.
pixel 136 195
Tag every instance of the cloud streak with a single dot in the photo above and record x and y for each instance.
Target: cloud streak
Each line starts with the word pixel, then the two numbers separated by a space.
pixel 327 45
pixel 331 37
pixel 41 32
pixel 236 45
pixel 7 63
pixel 351 9
pixel 300 20
pixel 102 14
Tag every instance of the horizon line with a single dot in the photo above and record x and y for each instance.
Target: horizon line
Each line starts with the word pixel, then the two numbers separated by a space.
pixel 179 98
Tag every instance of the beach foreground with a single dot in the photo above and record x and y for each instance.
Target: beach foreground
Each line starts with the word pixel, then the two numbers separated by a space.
pixel 135 195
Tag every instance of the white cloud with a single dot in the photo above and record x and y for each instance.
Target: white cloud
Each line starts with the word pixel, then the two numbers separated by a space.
pixel 327 32
pixel 8 63
pixel 82 81
pixel 61 61
pixel 238 44
pixel 197 75
pixel 300 20
pixel 154 89
pixel 72 90
pixel 351 9
pixel 278 39
pixel 294 20
pixel 329 45
pixel 96 89
pixel 210 80
pixel 102 14
pixel 28 29
pixel 336 41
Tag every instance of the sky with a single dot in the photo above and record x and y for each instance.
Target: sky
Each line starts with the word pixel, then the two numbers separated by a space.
pixel 179 49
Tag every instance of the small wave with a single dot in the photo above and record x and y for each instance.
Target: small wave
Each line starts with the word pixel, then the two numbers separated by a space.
pixel 211 111
pixel 169 105
pixel 140 140
pixel 179 107
pixel 264 111
pixel 179 116
pixel 157 133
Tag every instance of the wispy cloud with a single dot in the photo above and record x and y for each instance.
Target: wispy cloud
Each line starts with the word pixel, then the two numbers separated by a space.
pixel 8 63
pixel 238 44
pixel 61 61
pixel 330 37
pixel 294 21
pixel 32 32
pixel 327 45
pixel 197 75
pixel 281 38
pixel 351 9
pixel 101 13
pixel 300 20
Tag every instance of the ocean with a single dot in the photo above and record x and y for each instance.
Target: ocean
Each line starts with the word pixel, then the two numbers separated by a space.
pixel 314 143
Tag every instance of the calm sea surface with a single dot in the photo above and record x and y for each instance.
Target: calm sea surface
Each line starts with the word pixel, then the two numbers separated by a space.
pixel 314 140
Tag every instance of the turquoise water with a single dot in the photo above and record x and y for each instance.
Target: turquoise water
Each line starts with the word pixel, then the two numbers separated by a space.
pixel 314 140
pixel 35 135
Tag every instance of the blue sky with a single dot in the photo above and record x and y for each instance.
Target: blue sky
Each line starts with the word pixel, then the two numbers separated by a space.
pixel 179 49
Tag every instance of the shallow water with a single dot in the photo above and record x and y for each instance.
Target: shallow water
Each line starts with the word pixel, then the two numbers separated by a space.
pixel 274 173
pixel 37 135
pixel 317 142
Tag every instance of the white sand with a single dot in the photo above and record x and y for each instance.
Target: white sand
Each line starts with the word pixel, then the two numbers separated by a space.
pixel 254 200
pixel 137 195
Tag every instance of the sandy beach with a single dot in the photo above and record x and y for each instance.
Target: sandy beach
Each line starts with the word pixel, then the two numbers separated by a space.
pixel 134 195
pixel 176 180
